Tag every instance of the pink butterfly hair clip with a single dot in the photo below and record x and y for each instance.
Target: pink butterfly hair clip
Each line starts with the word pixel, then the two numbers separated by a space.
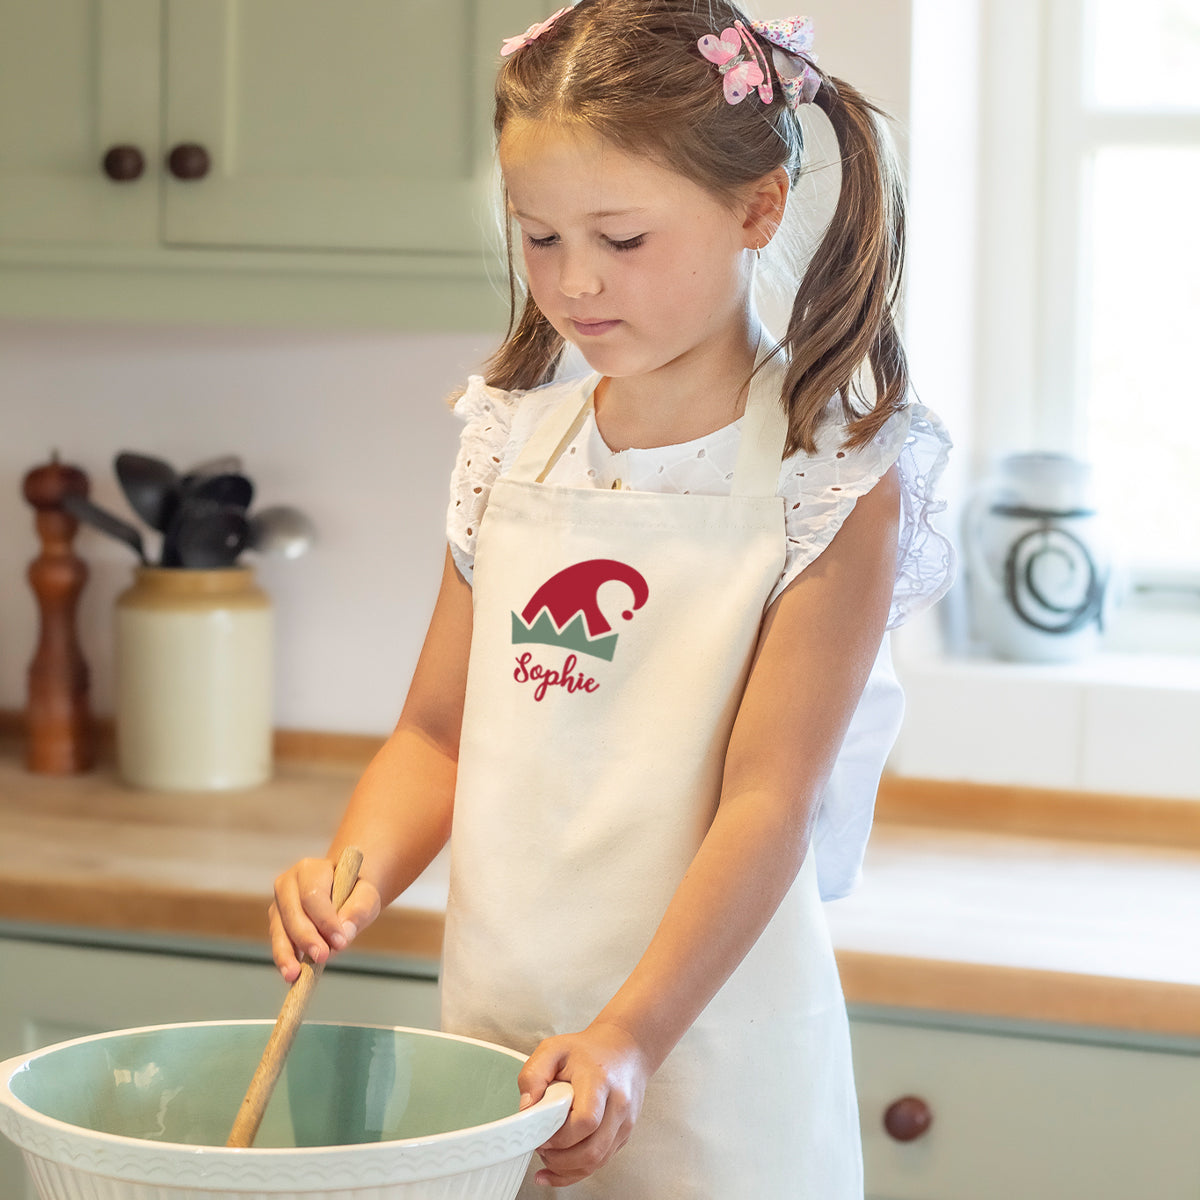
pixel 513 44
pixel 790 39
pixel 739 73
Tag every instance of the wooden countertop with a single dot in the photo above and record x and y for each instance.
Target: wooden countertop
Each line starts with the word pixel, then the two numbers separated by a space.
pixel 968 920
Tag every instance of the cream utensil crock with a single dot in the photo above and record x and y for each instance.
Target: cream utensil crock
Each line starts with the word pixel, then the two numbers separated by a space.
pixel 1037 559
pixel 194 679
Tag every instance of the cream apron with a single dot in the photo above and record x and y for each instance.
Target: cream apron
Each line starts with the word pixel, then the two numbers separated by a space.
pixel 613 633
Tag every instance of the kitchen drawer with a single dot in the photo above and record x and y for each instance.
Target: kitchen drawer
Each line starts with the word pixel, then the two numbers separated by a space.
pixel 1025 1118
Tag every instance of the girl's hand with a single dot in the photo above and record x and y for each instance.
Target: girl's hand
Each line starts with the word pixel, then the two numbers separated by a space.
pixel 608 1071
pixel 303 919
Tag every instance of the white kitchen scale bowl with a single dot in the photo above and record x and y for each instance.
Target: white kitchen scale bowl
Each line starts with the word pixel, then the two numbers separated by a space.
pixel 361 1112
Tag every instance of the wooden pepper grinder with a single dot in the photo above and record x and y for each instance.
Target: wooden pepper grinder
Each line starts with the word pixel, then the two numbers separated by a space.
pixel 59 736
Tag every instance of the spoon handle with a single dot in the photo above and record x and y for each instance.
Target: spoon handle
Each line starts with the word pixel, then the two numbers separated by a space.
pixel 82 509
pixel 258 1094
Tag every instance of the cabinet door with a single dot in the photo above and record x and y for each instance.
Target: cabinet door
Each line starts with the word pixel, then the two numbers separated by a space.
pixel 361 126
pixel 51 993
pixel 1018 1118
pixel 77 77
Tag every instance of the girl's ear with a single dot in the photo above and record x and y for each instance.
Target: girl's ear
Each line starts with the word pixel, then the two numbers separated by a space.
pixel 765 201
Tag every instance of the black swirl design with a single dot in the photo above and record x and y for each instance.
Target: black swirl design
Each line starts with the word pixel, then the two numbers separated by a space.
pixel 1049 550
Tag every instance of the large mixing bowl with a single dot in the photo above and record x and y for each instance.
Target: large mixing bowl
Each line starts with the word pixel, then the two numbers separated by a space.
pixel 361 1112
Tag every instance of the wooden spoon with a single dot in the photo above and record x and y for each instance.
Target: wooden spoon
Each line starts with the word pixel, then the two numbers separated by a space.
pixel 258 1094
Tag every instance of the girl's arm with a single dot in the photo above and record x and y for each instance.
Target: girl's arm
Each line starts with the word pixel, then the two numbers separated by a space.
pixel 814 655
pixel 399 812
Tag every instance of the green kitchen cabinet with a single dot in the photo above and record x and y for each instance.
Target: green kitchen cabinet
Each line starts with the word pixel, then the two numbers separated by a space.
pixel 1017 1112
pixel 262 161
pixel 54 990
pixel 1047 1114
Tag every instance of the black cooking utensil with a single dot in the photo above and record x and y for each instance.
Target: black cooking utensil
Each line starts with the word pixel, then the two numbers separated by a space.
pixel 211 535
pixel 200 502
pixel 229 488
pixel 82 509
pixel 150 485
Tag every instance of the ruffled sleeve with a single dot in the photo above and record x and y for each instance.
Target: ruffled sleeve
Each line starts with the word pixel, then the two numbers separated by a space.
pixel 488 415
pixel 820 490
pixel 925 555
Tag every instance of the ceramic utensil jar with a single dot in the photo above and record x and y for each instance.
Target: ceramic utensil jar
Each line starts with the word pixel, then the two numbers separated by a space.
pixel 194 670
pixel 1037 559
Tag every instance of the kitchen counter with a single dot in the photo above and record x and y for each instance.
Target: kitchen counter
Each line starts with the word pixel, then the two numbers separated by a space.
pixel 88 851
pixel 968 920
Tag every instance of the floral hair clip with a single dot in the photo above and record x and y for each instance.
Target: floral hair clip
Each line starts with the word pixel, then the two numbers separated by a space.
pixel 513 44
pixel 790 39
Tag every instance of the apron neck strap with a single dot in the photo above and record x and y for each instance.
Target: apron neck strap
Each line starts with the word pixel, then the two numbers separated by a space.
pixel 764 429
pixel 555 433
pixel 763 432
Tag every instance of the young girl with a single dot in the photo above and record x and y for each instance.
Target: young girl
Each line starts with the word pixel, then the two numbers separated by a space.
pixel 652 705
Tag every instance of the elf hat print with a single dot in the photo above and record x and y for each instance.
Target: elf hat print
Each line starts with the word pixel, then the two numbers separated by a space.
pixel 564 610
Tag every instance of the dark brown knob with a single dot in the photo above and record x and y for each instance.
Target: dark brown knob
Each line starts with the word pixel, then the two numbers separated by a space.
pixel 188 161
pixel 908 1118
pixel 123 163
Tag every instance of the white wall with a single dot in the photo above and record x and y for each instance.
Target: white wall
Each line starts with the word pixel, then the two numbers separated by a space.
pixel 867 43
pixel 348 425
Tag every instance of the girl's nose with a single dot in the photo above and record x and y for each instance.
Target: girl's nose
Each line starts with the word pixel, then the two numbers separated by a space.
pixel 578 276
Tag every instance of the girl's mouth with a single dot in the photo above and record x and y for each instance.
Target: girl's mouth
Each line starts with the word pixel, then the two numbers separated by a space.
pixel 593 328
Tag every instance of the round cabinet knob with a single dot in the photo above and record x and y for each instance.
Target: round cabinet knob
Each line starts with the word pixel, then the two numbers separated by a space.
pixel 188 161
pixel 123 163
pixel 907 1119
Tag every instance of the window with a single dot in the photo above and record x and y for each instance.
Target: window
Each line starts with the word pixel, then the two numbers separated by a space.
pixel 1120 269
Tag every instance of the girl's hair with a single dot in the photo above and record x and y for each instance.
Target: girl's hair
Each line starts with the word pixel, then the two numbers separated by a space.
pixel 630 71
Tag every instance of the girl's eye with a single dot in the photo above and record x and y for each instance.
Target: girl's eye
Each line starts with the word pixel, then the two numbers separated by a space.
pixel 542 243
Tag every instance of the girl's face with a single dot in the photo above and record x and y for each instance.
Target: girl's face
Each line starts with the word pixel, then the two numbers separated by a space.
pixel 636 265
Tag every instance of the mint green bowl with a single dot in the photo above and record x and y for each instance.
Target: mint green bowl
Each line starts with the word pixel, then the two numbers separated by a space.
pixel 363 1111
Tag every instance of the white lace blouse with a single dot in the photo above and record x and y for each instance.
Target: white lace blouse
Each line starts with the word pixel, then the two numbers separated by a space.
pixel 818 490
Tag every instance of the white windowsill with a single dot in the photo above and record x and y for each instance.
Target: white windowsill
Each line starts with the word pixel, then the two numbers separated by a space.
pixel 1115 722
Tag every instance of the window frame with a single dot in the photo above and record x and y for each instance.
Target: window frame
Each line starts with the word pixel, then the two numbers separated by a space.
pixel 1038 132
pixel 1074 130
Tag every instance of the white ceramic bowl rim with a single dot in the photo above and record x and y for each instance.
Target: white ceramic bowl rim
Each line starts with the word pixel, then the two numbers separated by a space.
pixel 278 1169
